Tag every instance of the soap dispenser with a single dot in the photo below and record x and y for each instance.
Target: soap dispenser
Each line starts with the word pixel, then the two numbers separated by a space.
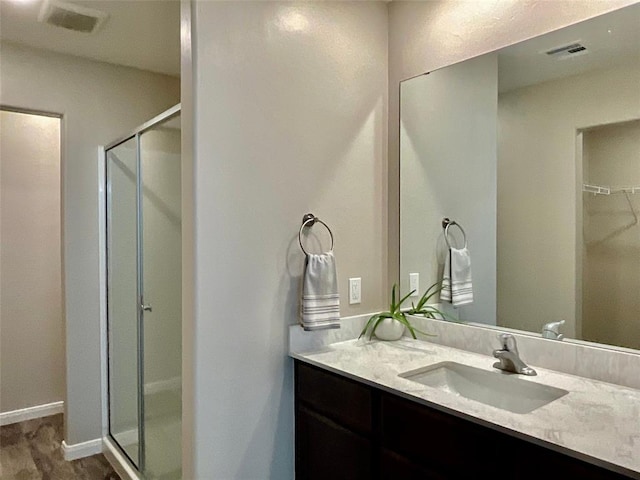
pixel 552 330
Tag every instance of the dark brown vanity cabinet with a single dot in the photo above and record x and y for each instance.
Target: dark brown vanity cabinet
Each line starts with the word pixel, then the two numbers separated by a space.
pixel 348 430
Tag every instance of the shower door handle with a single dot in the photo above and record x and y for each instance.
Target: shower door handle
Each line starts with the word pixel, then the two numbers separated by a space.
pixel 146 308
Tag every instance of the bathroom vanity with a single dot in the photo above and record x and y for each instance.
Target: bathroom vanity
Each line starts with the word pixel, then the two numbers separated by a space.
pixel 358 418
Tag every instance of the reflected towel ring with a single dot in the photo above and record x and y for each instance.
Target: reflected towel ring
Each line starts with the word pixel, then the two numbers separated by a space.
pixel 309 220
pixel 446 223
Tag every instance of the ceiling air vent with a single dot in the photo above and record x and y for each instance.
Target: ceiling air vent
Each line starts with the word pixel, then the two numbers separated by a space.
pixel 71 16
pixel 572 50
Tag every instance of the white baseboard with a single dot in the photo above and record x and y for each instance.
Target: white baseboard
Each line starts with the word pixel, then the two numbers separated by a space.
pixel 81 450
pixel 39 411
pixel 174 383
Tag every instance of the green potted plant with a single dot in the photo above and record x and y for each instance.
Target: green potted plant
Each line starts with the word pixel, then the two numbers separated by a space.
pixel 428 310
pixel 391 324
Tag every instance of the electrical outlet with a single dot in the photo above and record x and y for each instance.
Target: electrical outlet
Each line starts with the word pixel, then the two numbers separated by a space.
pixel 414 284
pixel 355 293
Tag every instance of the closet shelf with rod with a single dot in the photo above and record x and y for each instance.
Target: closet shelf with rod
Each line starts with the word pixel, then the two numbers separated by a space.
pixel 603 190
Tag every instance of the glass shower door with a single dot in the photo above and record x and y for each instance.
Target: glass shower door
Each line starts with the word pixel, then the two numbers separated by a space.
pixel 162 294
pixel 122 304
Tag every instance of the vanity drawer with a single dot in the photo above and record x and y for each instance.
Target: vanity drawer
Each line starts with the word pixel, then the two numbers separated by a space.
pixel 343 400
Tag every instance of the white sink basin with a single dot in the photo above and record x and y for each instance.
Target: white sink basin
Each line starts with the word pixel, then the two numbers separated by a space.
pixel 500 390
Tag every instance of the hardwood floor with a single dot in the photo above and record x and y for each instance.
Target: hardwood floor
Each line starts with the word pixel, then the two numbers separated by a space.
pixel 32 450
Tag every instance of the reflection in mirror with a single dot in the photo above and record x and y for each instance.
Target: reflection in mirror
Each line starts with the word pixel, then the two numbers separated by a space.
pixel 535 151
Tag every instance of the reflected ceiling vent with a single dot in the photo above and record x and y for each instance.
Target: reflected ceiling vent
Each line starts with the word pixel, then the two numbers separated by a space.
pixel 71 16
pixel 566 51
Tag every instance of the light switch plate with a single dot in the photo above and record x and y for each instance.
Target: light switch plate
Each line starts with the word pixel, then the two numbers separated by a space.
pixel 414 284
pixel 355 292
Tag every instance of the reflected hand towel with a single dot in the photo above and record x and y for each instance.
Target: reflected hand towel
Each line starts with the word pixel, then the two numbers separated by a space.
pixel 320 298
pixel 456 281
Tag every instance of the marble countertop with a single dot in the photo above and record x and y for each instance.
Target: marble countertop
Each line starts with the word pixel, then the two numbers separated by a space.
pixel 597 422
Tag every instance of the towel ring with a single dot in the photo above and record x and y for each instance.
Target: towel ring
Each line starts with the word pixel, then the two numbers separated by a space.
pixel 309 220
pixel 446 223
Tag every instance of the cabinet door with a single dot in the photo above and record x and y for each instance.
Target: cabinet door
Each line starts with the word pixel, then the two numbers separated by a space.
pixel 325 450
pixel 345 401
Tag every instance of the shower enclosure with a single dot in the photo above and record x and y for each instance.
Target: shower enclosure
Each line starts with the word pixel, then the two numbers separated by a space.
pixel 144 288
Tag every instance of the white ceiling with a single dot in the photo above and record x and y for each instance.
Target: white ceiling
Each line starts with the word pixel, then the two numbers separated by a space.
pixel 611 40
pixel 143 34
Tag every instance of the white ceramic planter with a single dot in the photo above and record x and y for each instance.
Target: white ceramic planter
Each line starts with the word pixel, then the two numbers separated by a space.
pixel 389 330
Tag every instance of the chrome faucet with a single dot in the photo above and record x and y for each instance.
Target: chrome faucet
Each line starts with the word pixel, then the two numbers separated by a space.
pixel 552 330
pixel 508 357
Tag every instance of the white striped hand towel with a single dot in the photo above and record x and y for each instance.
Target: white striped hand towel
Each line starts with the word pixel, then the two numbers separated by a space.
pixel 456 281
pixel 320 298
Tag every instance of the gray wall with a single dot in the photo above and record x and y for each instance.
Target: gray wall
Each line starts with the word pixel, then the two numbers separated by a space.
pixel 448 169
pixel 100 102
pixel 32 327
pixel 290 118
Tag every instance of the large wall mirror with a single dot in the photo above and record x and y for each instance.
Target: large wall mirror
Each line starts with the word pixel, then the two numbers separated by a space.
pixel 535 151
